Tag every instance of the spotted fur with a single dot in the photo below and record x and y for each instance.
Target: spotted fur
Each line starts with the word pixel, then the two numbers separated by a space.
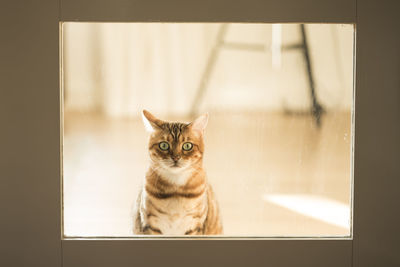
pixel 176 198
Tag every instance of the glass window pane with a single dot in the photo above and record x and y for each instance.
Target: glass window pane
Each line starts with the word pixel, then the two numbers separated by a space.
pixel 277 148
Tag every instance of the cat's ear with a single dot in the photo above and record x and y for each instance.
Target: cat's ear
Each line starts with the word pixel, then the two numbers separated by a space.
pixel 150 122
pixel 200 123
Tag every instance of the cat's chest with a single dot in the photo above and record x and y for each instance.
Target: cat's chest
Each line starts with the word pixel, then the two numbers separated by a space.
pixel 180 215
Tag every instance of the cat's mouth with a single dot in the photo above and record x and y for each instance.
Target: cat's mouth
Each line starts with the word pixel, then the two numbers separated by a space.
pixel 175 165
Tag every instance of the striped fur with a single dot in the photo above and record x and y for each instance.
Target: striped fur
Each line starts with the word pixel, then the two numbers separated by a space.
pixel 176 198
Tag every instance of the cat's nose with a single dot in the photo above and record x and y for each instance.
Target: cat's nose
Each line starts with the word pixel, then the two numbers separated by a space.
pixel 176 158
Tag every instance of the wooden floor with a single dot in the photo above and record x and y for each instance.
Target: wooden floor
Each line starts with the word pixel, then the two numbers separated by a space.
pixel 273 174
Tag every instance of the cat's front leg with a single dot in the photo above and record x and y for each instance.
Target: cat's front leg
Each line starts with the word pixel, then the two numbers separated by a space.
pixel 151 230
pixel 195 231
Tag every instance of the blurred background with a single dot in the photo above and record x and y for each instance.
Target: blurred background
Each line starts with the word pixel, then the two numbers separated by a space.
pixel 279 138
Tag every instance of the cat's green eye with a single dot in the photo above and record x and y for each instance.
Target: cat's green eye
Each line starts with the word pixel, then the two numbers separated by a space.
pixel 163 146
pixel 187 146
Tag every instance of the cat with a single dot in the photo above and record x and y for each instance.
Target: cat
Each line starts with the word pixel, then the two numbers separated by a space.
pixel 176 198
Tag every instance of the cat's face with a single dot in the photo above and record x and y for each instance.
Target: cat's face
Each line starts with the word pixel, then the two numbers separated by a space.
pixel 175 147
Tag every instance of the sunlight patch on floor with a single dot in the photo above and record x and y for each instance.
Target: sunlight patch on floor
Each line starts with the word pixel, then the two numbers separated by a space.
pixel 317 207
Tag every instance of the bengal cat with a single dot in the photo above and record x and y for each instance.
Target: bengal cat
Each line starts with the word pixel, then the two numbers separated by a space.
pixel 176 198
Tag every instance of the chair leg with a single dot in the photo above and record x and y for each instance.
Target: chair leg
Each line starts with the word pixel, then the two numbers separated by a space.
pixel 316 110
pixel 210 65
